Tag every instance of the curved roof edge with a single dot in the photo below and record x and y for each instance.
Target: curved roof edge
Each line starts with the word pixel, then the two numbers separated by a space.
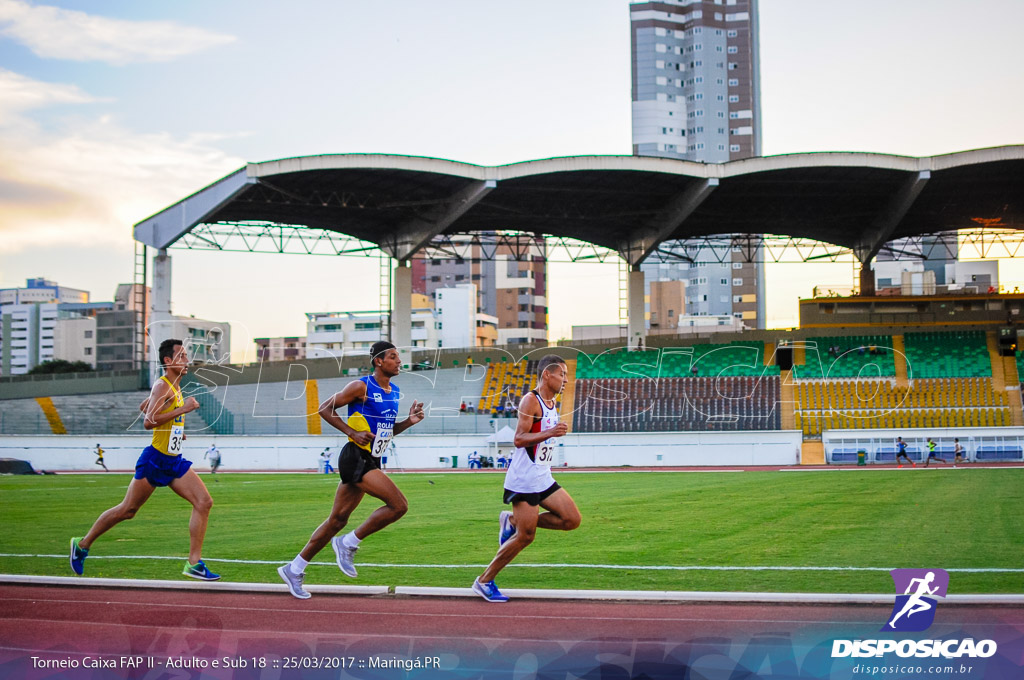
pixel 169 225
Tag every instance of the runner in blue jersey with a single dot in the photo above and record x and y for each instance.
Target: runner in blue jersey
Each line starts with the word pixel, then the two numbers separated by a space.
pixel 372 404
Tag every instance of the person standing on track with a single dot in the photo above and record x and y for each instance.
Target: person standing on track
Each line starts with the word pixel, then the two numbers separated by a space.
pixel 528 482
pixel 372 413
pixel 161 464
pixel 99 457
pixel 214 455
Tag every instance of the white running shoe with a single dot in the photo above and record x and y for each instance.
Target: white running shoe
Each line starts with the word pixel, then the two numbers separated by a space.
pixel 344 556
pixel 294 582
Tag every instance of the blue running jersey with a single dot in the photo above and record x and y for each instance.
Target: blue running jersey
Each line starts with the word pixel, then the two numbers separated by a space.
pixel 380 410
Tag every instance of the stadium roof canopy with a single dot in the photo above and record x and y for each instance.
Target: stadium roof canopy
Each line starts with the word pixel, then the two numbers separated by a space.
pixel 626 203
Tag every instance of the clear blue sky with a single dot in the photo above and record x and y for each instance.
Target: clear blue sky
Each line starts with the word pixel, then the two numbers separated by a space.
pixel 109 111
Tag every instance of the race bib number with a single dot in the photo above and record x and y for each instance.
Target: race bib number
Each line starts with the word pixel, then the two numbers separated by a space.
pixel 381 441
pixel 545 453
pixel 175 440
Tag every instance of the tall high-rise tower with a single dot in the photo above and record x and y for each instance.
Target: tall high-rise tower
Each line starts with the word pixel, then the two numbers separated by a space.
pixel 696 81
pixel 696 97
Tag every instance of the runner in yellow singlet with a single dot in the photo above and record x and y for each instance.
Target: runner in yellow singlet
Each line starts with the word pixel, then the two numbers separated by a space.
pixel 161 464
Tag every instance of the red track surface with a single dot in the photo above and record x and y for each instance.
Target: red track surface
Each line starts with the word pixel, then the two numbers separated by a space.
pixel 70 622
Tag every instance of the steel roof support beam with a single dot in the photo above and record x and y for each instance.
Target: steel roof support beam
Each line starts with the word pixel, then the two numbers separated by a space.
pixel 880 231
pixel 417 233
pixel 682 205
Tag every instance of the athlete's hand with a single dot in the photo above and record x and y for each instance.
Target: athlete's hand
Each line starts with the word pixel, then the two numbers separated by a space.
pixel 362 438
pixel 559 430
pixel 191 404
pixel 416 412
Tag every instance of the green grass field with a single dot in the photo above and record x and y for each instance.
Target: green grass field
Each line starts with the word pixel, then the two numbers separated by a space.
pixel 964 518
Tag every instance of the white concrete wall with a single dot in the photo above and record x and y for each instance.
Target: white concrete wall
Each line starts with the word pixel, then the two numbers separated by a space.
pixel 72 452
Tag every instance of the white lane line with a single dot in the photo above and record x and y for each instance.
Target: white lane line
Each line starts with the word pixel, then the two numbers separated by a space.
pixel 627 567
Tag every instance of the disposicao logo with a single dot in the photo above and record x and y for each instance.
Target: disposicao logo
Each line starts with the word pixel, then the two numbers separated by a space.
pixel 914 611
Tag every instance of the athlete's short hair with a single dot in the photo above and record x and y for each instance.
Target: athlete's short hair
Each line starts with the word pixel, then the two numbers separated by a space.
pixel 378 349
pixel 166 350
pixel 547 362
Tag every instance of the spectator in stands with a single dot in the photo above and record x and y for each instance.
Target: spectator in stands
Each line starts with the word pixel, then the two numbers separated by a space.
pixel 474 461
pixel 958 450
pixel 931 453
pixel 462 407
pixel 99 457
pixel 901 452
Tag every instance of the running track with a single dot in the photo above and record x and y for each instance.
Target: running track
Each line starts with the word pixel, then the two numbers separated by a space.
pixel 472 638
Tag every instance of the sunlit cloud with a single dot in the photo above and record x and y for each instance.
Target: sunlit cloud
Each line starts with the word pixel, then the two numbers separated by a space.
pixel 55 33
pixel 90 184
pixel 18 93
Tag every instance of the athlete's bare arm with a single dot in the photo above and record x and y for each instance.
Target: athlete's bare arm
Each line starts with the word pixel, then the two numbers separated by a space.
pixel 529 410
pixel 158 399
pixel 354 391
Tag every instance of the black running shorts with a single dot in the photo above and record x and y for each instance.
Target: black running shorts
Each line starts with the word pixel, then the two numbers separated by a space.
pixel 531 498
pixel 354 462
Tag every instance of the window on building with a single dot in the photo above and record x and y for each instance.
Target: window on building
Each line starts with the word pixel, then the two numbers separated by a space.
pixel 731 34
pixel 733 49
pixel 88 334
pixel 435 279
pixel 734 148
pixel 737 265
pixel 734 82
pixel 724 282
pixel 88 351
pixel 737 298
pixel 737 282
pixel 733 98
pixel 671 313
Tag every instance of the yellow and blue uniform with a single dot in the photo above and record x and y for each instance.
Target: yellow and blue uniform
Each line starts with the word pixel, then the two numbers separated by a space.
pixel 161 462
pixel 377 415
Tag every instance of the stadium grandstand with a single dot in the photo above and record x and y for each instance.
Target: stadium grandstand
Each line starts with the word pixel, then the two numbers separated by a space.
pixel 857 383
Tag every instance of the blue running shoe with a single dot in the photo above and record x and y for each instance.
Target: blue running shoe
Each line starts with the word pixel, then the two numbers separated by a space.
pixel 78 556
pixel 506 531
pixel 199 571
pixel 488 591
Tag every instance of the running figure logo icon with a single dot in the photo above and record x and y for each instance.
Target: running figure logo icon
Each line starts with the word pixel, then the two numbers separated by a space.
pixel 914 610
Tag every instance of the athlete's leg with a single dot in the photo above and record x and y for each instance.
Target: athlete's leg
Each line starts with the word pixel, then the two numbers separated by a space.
pixel 378 485
pixel 192 489
pixel 346 499
pixel 524 517
pixel 138 493
pixel 562 513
